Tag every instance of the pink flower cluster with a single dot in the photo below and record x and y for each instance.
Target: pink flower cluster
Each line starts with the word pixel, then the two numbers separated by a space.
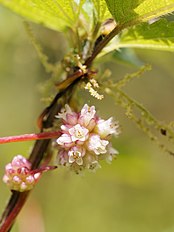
pixel 85 138
pixel 18 175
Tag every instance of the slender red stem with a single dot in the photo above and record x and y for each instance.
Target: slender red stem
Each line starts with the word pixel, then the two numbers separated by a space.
pixel 29 137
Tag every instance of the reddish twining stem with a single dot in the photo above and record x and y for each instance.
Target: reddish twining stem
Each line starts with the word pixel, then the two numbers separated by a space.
pixel 9 220
pixel 17 199
pixel 29 137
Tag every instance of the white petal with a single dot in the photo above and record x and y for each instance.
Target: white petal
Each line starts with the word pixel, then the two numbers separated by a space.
pixel 71 159
pixel 63 139
pixel 79 161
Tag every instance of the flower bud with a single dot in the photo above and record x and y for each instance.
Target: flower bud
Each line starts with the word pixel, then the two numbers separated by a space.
pixel 18 175
pixel 106 127
pixel 96 145
pixel 65 141
pixel 86 115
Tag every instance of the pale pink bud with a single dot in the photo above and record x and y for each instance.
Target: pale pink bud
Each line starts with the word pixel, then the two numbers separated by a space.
pixel 64 112
pixel 18 175
pixel 5 179
pixel 23 187
pixel 9 168
pixel 97 145
pixel 19 161
pixel 65 128
pixel 68 115
pixel 38 174
pixel 65 141
pixel 72 118
pixel 16 180
pixel 63 157
pixel 30 179
pixel 91 124
pixel 87 113
pixel 106 127
pixel 78 133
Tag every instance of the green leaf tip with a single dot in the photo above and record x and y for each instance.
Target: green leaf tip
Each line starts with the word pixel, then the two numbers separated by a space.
pixel 158 36
pixel 135 11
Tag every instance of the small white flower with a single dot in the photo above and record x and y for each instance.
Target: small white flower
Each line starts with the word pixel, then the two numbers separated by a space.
pixel 97 145
pixel 87 113
pixel 106 127
pixel 112 151
pixel 93 166
pixel 91 161
pixel 78 133
pixel 75 155
pixel 111 154
pixel 65 140
pixel 64 112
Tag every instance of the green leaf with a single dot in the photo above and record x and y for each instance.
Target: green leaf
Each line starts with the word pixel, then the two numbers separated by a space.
pixel 101 9
pixel 127 56
pixel 54 14
pixel 134 11
pixel 159 35
pixel 112 52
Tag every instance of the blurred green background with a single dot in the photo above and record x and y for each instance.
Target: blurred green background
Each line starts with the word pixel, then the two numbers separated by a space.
pixel 135 192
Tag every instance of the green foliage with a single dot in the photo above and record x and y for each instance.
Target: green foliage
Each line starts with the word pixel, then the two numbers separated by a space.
pixel 101 9
pixel 133 11
pixel 56 14
pixel 60 15
pixel 159 35
pixel 127 56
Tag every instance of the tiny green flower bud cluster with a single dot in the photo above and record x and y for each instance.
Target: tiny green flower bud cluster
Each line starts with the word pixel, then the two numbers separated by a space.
pixel 85 139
